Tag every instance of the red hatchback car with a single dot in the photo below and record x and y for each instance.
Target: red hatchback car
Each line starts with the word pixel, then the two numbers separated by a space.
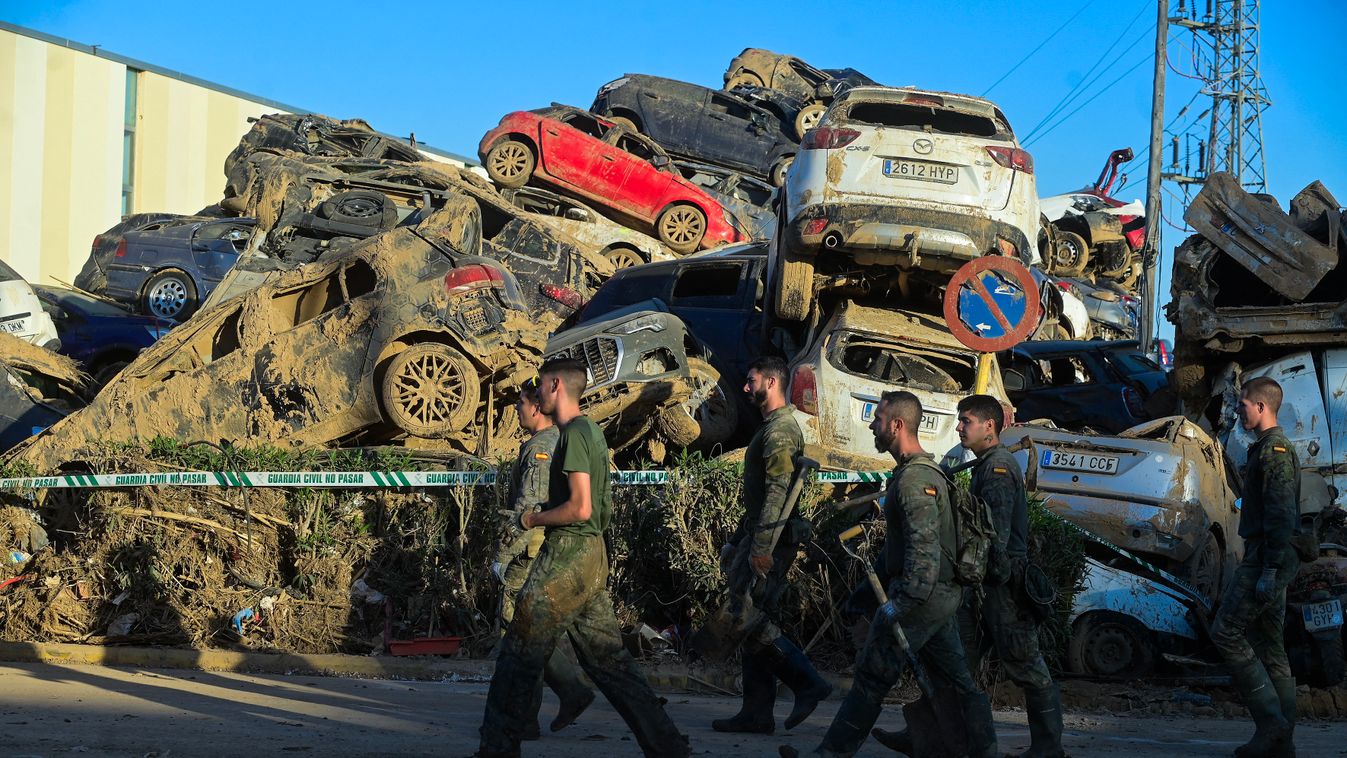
pixel 574 151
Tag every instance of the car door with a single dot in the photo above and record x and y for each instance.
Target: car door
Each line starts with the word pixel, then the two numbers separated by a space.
pixel 645 188
pixel 1074 392
pixel 730 134
pixel 572 150
pixel 1302 415
pixel 215 247
pixel 1335 400
pixel 710 299
pixel 671 113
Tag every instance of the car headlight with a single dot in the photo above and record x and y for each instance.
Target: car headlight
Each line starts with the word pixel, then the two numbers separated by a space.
pixel 649 322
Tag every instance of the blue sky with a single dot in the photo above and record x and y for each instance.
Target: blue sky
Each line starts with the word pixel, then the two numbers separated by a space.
pixel 449 71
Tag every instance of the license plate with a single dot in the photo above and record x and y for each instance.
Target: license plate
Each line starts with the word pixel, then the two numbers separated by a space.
pixel 13 327
pixel 1097 464
pixel 929 421
pixel 1322 615
pixel 921 170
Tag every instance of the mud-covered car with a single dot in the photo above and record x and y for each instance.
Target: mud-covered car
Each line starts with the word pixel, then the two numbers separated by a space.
pixel 308 208
pixel 100 334
pixel 401 339
pixel 863 351
pixel 1104 386
pixel 701 124
pixel 621 245
pixel 1162 489
pixel 646 373
pixel 904 179
pixel 751 202
pixel 810 90
pixel 1114 313
pixel 312 134
pixel 37 389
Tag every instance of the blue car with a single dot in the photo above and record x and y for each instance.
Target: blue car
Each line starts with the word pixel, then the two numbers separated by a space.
pixel 101 335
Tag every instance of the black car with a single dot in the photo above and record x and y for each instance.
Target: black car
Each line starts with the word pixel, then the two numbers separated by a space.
pixel 166 265
pixel 749 200
pixel 1105 386
pixel 102 335
pixel 702 124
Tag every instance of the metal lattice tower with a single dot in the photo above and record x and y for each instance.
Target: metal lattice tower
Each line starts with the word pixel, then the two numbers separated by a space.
pixel 1229 135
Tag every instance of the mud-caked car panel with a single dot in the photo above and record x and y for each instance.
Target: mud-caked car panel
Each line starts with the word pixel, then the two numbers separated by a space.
pixel 312 134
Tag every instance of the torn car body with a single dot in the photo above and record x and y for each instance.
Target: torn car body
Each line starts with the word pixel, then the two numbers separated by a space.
pixel 37 389
pixel 313 134
pixel 1161 489
pixel 403 338
pixel 622 246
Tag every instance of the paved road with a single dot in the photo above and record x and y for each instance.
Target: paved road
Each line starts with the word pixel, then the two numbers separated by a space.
pixel 48 710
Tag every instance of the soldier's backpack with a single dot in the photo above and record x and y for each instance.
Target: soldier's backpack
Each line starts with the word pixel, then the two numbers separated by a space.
pixel 977 554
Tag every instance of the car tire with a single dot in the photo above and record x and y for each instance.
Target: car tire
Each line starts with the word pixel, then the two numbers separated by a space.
pixel 743 79
pixel 681 227
pixel 1133 275
pixel 623 257
pixel 108 372
pixel 360 208
pixel 795 293
pixel 779 170
pixel 624 122
pixel 808 118
pixel 430 390
pixel 1070 254
pixel 1206 566
pixel 1110 645
pixel 712 407
pixel 680 429
pixel 170 295
pixel 510 163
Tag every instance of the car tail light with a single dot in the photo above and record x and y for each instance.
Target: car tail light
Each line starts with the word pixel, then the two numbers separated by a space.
pixel 815 226
pixel 461 281
pixel 564 295
pixel 1132 399
pixel 804 390
pixel 934 101
pixel 121 248
pixel 1166 360
pixel 828 138
pixel 1012 158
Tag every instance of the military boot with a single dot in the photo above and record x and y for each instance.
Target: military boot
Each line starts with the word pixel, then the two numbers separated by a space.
pixel 1043 709
pixel 1286 694
pixel 1272 732
pixel 981 730
pixel 793 668
pixel 899 742
pixel 562 676
pixel 755 716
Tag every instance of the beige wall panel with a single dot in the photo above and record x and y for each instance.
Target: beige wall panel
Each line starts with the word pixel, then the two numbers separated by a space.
pixel 94 197
pixel 23 73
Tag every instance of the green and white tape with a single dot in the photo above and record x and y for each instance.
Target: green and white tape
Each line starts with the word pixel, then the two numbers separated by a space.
pixel 346 479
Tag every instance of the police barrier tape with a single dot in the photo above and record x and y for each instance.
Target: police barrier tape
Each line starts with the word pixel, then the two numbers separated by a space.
pixel 346 479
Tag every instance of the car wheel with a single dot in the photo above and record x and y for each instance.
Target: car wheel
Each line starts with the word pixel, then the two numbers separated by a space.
pixel 711 406
pixel 624 122
pixel 1206 565
pixel 510 163
pixel 680 429
pixel 780 169
pixel 360 208
pixel 795 295
pixel 623 257
pixel 170 295
pixel 1133 275
pixel 743 79
pixel 430 390
pixel 1070 254
pixel 808 118
pixel 1110 644
pixel 681 227
pixel 108 372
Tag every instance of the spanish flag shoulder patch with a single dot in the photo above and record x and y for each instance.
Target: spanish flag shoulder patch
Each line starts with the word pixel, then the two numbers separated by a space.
pixel 1000 470
pixel 931 491
pixel 542 456
pixel 1278 449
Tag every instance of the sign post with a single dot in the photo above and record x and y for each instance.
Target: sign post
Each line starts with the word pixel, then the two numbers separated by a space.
pixel 991 304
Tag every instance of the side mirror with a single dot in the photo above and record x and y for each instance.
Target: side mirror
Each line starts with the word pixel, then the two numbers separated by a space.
pixel 1013 380
pixel 660 161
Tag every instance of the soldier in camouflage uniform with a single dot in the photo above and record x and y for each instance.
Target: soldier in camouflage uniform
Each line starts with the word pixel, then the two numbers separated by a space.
pixel 567 589
pixel 923 594
pixel 1248 626
pixel 768 655
pixel 528 492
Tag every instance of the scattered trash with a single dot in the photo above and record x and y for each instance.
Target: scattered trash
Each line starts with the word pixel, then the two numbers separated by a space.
pixel 122 625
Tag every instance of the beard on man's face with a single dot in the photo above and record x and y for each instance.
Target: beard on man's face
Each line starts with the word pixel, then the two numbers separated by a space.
pixel 759 397
pixel 883 441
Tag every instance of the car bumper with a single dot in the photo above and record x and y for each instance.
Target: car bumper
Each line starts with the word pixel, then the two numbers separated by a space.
pixel 1169 531
pixel 912 237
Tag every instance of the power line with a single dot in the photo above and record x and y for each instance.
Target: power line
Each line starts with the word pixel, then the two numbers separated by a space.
pixel 1030 54
pixel 1094 97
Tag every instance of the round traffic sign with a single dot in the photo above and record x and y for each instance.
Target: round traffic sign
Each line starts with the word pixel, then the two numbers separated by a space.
pixel 992 303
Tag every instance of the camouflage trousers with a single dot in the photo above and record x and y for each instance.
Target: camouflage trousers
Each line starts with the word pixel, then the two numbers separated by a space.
pixel 567 592
pixel 560 673
pixel 1246 629
pixel 1000 616
pixel 933 635
pixel 766 592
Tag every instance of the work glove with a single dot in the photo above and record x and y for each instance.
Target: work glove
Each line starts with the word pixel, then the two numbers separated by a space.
pixel 498 571
pixel 888 613
pixel 1266 588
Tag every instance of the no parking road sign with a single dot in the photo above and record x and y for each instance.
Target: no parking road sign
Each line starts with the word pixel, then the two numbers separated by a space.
pixel 992 303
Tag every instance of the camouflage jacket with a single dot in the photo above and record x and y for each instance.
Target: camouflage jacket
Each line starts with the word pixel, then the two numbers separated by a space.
pixel 1270 511
pixel 769 463
pixel 997 479
pixel 920 530
pixel 529 478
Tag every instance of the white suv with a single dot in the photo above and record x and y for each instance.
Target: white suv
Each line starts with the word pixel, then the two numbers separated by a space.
pixel 21 312
pixel 905 178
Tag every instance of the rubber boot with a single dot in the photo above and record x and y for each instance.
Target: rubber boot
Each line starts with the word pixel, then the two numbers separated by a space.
pixel 562 676
pixel 980 728
pixel 755 716
pixel 899 742
pixel 795 670
pixel 1272 732
pixel 1286 694
pixel 1043 708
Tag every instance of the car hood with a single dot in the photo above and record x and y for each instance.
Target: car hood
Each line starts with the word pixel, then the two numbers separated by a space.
pixel 582 332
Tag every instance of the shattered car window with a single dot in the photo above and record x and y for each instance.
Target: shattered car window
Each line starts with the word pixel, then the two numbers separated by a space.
pixel 923 117
pixel 630 144
pixel 524 239
pixel 584 122
pixel 891 363
pixel 708 284
pixel 721 104
pixel 1131 363
pixel 1064 371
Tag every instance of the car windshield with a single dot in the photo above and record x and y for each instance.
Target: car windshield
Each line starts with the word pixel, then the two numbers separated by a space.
pixel 633 285
pixel 1130 362
pixel 75 301
pixel 899 364
pixel 927 117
